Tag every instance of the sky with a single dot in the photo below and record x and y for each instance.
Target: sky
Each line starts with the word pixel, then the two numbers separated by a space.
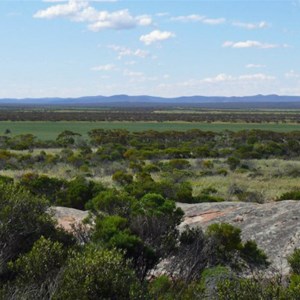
pixel 53 48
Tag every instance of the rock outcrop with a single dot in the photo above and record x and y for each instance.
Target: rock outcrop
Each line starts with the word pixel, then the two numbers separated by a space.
pixel 68 217
pixel 274 226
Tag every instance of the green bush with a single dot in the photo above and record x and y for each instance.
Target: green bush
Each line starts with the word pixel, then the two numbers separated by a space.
pixel 122 177
pixel 179 164
pixel 151 168
pixel 205 196
pixel 79 191
pixel 253 255
pixel 42 262
pixel 293 195
pixel 227 236
pixel 233 162
pixel 112 202
pixel 294 261
pixel 162 288
pixel 252 289
pixel 24 219
pixel 98 274
pixel 42 185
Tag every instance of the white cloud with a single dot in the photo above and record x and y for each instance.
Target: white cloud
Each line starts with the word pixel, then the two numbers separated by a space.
pixel 250 44
pixel 214 21
pixel 108 67
pixel 199 18
pixel 156 36
pixel 255 77
pixel 60 1
pixel 250 26
pixel 162 14
pixel 255 66
pixel 292 74
pixel 218 78
pixel 144 20
pixel 121 19
pixel 132 73
pixel 230 78
pixel 124 51
pixel 62 10
pixel 223 85
pixel 189 18
pixel 81 11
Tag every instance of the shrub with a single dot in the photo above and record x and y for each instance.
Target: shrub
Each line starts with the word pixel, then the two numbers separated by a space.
pixel 252 289
pixel 205 196
pixel 293 195
pixel 151 168
pixel 23 220
pixel 294 261
pixel 98 274
pixel 41 263
pixel 42 185
pixel 79 191
pixel 227 236
pixel 253 255
pixel 180 164
pixel 114 232
pixel 162 288
pixel 248 196
pixel 233 162
pixel 6 180
pixel 122 177
pixel 222 172
pixel 112 202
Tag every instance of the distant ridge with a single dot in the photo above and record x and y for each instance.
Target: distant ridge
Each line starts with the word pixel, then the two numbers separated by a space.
pixel 144 99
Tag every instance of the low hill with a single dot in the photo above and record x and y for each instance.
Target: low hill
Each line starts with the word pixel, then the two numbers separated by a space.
pixel 144 100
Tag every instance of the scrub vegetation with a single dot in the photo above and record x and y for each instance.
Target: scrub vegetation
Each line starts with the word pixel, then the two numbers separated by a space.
pixel 130 181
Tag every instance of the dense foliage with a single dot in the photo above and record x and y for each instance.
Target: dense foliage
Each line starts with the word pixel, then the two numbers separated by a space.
pixel 131 235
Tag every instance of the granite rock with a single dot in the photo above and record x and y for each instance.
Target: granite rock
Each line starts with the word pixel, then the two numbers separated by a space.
pixel 274 226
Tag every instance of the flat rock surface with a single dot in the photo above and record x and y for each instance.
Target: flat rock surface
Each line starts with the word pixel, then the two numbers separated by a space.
pixel 274 226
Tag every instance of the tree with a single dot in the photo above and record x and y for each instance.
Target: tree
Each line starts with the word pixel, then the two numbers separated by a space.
pixel 23 219
pixel 67 138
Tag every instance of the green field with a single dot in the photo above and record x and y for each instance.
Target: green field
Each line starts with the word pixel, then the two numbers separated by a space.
pixel 49 130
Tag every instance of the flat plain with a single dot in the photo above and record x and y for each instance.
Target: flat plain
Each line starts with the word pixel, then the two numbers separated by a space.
pixel 46 130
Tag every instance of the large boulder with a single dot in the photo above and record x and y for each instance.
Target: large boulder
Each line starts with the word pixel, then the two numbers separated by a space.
pixel 274 226
pixel 67 217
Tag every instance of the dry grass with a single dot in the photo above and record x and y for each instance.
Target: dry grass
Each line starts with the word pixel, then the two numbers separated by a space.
pixel 270 178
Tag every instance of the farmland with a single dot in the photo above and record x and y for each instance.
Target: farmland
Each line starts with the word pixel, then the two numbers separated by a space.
pixel 46 130
pixel 46 123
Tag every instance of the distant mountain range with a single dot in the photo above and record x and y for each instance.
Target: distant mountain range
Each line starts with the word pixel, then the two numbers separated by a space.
pixel 147 100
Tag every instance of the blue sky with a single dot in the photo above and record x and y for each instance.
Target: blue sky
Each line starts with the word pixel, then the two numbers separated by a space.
pixel 165 48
